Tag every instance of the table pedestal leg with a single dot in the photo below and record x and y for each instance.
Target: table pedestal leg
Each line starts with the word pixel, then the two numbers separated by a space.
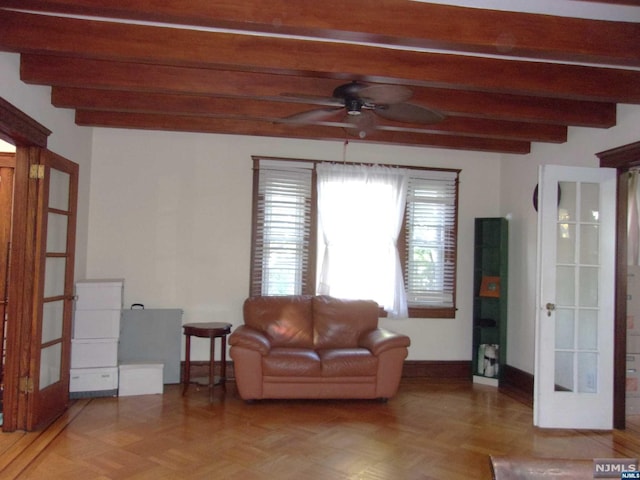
pixel 212 363
pixel 187 365
pixel 223 358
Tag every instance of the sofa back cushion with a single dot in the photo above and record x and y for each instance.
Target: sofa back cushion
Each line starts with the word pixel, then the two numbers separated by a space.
pixel 285 320
pixel 339 323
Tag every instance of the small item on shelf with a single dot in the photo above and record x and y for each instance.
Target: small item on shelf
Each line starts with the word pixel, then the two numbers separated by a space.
pixel 486 322
pixel 490 287
pixel 488 359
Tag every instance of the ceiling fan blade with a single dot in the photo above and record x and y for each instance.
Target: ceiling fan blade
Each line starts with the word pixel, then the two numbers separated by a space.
pixel 388 94
pixel 312 116
pixel 313 99
pixel 409 113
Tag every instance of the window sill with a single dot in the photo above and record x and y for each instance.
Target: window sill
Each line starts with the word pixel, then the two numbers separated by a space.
pixel 432 312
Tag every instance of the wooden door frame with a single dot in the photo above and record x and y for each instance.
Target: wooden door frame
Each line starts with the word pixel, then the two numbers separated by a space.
pixel 622 158
pixel 30 138
pixel 7 171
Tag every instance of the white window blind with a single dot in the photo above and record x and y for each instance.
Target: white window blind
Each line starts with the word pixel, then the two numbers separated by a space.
pixel 431 238
pixel 282 228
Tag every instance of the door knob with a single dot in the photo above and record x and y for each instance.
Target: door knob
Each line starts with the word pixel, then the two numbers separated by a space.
pixel 550 307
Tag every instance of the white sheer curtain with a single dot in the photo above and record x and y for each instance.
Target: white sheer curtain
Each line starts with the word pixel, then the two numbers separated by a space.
pixel 633 232
pixel 360 210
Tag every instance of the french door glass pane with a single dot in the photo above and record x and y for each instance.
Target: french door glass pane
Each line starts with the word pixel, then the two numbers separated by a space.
pixel 589 202
pixel 50 362
pixel 56 233
pixel 589 287
pixel 588 330
pixel 54 277
pixel 589 244
pixel 564 372
pixel 566 252
pixel 567 202
pixel 587 372
pixel 565 286
pixel 565 328
pixel 52 321
pixel 59 190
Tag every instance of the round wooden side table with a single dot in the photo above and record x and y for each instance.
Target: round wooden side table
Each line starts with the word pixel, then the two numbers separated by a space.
pixel 210 330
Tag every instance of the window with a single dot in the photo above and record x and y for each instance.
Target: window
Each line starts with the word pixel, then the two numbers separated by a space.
pixel 282 226
pixel 429 247
pixel 284 234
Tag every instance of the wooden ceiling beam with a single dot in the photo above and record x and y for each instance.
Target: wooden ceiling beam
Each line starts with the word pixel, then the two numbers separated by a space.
pixel 159 103
pixel 77 72
pixel 29 33
pixel 557 111
pixel 144 121
pixel 397 22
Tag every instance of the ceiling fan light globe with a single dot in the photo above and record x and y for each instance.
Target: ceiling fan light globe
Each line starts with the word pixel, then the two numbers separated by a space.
pixel 361 125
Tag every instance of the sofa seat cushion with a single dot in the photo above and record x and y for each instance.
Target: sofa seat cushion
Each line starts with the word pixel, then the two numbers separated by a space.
pixel 292 362
pixel 348 362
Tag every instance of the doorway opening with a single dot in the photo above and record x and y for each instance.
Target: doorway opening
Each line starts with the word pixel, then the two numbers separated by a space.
pixel 632 381
pixel 623 159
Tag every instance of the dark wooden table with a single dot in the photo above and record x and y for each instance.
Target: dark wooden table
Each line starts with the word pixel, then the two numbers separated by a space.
pixel 210 330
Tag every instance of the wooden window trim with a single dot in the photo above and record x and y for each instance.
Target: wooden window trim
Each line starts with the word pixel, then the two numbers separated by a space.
pixel 432 312
pixel 414 311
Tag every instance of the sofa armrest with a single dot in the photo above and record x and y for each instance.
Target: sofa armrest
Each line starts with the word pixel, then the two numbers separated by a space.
pixel 250 338
pixel 380 340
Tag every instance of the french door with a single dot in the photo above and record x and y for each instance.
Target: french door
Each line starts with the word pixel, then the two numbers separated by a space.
pixel 46 387
pixel 576 292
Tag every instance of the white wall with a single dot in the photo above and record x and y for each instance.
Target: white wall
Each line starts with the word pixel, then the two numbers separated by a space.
pixel 170 213
pixel 519 178
pixel 66 139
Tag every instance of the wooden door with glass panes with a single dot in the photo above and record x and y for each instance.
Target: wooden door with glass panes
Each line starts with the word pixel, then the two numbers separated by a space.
pixel 48 380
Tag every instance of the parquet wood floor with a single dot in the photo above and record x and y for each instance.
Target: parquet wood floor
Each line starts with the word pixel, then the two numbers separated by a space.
pixel 430 430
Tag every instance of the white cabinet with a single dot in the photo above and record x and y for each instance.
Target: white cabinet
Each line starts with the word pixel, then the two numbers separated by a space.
pixel 99 294
pixel 94 352
pixel 96 324
pixel 96 330
pixel 89 380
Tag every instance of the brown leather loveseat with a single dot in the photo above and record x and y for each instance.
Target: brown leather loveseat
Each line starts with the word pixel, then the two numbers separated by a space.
pixel 315 347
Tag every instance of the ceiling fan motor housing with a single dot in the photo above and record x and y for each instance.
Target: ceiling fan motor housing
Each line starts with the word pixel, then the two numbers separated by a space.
pixel 351 89
pixel 349 93
pixel 353 105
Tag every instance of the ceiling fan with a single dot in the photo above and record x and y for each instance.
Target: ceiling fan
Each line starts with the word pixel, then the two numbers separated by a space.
pixel 354 105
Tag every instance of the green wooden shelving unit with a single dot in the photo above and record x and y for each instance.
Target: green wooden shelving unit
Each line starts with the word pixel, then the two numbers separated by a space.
pixel 490 286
